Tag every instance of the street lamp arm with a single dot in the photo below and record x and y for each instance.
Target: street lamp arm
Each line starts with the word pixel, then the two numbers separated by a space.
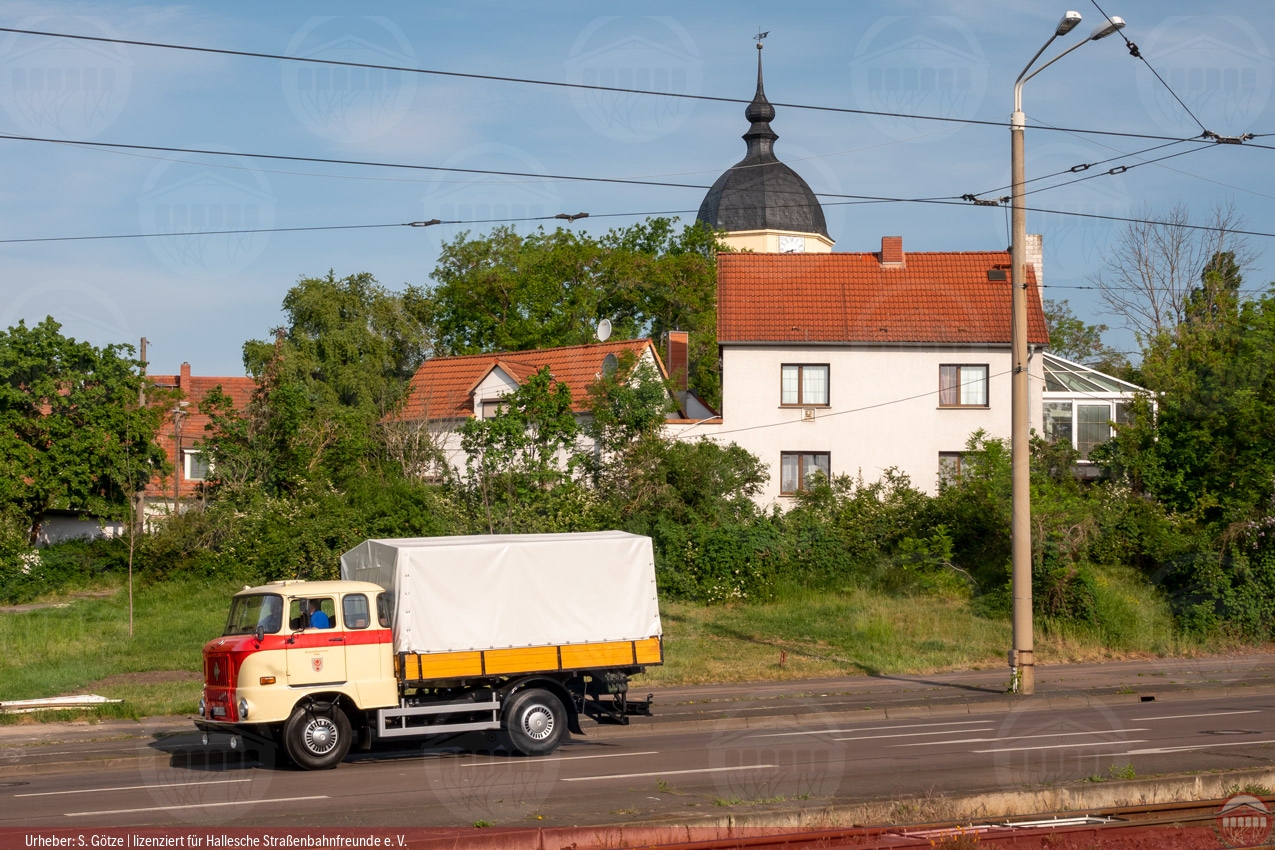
pixel 1022 81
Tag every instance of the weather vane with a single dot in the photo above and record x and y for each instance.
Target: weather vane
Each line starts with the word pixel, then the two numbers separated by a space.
pixel 760 35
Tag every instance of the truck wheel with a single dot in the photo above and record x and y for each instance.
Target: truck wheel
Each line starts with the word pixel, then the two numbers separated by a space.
pixel 317 737
pixel 535 722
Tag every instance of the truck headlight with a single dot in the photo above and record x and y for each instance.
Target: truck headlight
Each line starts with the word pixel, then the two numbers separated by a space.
pixel 203 707
pixel 243 709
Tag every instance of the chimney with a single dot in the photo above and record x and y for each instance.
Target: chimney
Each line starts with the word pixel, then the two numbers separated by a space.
pixel 1035 257
pixel 183 380
pixel 678 341
pixel 892 251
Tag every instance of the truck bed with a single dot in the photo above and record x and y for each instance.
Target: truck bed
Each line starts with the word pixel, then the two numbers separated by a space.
pixel 423 667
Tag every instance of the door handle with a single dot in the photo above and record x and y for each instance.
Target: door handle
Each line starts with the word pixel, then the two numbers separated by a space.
pixel 336 640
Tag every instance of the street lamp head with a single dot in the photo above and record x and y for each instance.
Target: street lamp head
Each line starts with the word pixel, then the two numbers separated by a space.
pixel 1068 23
pixel 1111 25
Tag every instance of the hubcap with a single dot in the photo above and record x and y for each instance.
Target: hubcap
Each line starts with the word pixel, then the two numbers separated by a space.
pixel 320 735
pixel 537 722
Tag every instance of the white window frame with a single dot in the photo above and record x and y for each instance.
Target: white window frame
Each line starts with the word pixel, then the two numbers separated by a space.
pixel 187 455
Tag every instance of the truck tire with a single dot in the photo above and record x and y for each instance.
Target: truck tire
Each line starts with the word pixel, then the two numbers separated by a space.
pixel 535 722
pixel 317 736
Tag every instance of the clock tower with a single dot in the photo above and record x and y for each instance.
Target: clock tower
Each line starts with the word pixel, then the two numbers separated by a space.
pixel 762 204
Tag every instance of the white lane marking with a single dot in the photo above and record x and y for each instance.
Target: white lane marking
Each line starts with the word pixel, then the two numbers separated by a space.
pixel 563 758
pixel 671 772
pixel 873 728
pixel 35 752
pixel 916 734
pixel 1212 714
pixel 195 806
pixel 1152 751
pixel 1084 745
pixel 1018 737
pixel 130 788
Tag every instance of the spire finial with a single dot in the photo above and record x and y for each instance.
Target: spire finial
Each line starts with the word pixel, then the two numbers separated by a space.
pixel 759 111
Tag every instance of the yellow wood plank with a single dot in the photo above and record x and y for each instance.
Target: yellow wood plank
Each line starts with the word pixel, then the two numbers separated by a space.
pixel 612 654
pixel 649 651
pixel 446 665
pixel 522 660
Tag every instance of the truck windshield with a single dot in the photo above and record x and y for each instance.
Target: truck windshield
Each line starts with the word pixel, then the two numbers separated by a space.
pixel 248 612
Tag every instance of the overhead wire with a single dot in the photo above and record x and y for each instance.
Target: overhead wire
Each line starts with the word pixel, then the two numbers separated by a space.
pixel 559 84
pixel 1137 54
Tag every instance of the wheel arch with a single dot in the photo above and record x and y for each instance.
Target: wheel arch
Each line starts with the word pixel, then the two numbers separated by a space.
pixel 554 686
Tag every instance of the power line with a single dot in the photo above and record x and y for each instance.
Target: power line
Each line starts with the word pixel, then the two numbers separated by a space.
pixel 1082 166
pixel 1113 171
pixel 559 84
pixel 1137 54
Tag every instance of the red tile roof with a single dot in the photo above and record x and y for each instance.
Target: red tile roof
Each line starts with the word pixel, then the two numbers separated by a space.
pixel 194 389
pixel 442 387
pixel 932 297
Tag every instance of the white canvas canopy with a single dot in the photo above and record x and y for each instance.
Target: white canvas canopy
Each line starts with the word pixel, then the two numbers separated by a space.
pixel 512 590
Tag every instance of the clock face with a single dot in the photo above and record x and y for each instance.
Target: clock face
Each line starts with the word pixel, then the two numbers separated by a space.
pixel 792 244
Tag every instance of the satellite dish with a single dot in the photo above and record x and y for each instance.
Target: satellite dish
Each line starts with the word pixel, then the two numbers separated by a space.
pixel 604 330
pixel 610 363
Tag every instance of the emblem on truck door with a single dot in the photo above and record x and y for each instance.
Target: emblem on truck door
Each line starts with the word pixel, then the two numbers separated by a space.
pixel 317 663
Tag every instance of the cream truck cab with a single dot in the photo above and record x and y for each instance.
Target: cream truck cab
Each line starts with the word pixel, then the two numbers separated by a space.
pixel 514 634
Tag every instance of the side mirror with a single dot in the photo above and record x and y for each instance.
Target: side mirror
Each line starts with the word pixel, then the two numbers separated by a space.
pixel 261 632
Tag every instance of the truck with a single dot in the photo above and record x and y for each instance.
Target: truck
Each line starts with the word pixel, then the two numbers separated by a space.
pixel 515 635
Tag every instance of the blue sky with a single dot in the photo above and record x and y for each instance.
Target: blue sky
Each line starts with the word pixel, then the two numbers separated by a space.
pixel 198 298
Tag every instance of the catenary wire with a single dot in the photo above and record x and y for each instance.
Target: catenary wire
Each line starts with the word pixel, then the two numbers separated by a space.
pixel 1137 54
pixel 559 84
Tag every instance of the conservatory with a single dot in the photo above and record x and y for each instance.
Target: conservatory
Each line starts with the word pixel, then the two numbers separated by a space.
pixel 1083 405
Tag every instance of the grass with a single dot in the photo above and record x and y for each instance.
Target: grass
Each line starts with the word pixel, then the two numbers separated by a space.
pixel 852 631
pixel 799 634
pixel 85 646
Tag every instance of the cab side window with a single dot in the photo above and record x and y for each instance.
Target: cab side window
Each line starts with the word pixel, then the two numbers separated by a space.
pixel 355 609
pixel 317 613
pixel 384 610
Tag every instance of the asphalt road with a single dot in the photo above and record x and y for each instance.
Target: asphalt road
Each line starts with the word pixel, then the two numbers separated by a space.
pixel 807 756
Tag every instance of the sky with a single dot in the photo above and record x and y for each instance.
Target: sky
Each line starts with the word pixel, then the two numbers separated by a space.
pixel 198 298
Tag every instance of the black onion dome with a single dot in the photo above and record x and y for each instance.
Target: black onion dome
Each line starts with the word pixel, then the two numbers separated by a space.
pixel 759 192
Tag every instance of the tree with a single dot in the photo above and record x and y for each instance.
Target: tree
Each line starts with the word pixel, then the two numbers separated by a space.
pixel 68 419
pixel 510 292
pixel 1073 339
pixel 1209 450
pixel 517 456
pixel 343 361
pixel 1152 270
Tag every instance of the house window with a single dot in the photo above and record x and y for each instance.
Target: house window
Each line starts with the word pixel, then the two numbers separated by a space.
pixel 197 465
pixel 797 470
pixel 804 384
pixel 963 386
pixel 1093 427
pixel 492 406
pixel 1058 421
pixel 950 465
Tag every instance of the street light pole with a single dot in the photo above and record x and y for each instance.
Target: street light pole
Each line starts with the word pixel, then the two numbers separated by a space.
pixel 1022 660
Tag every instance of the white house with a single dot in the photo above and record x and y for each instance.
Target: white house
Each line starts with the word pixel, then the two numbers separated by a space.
pixel 446 391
